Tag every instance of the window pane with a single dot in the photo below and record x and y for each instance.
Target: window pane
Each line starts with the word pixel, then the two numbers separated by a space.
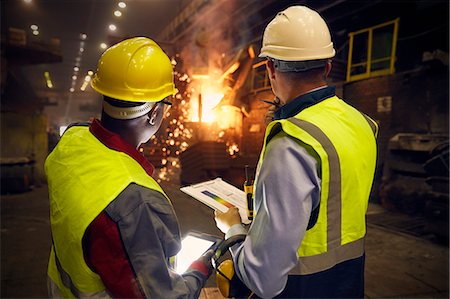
pixel 359 55
pixel 382 47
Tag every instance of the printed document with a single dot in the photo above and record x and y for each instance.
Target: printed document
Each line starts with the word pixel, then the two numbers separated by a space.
pixel 219 195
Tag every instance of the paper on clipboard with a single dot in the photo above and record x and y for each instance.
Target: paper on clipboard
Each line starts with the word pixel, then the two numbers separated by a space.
pixel 219 195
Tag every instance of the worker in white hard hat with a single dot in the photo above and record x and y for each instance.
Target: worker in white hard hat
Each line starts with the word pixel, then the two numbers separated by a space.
pixel 314 176
pixel 114 230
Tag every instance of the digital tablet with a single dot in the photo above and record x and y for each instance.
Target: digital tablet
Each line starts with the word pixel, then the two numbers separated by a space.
pixel 193 245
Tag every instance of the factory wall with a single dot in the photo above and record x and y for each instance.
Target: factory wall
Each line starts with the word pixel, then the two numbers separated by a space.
pixel 24 147
pixel 409 102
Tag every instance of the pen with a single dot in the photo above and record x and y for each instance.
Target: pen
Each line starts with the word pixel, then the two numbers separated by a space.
pixel 248 188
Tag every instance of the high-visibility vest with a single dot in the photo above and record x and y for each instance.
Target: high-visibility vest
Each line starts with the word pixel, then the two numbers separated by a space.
pixel 83 176
pixel 344 142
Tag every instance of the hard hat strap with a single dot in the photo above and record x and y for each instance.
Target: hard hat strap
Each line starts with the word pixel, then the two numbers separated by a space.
pixel 127 112
pixel 297 66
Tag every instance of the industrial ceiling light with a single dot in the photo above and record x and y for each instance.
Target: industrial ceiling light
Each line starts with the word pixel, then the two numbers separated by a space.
pixel 90 73
pixel 103 46
pixel 48 80
pixel 35 32
pixel 112 27
pixel 76 69
pixel 74 77
pixel 72 89
pixel 34 27
pixel 83 36
pixel 84 85
pixel 117 13
pixel 122 4
pixel 27 1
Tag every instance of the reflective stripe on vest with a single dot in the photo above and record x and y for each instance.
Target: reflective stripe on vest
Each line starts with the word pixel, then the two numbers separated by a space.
pixel 83 176
pixel 328 243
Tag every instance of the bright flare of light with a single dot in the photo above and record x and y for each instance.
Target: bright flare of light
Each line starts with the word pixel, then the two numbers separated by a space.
pixel 74 77
pixel 210 98
pixel 83 36
pixel 34 27
pixel 117 13
pixel 122 4
pixel 76 69
pixel 191 249
pixel 35 32
pixel 103 46
pixel 90 73
pixel 27 1
pixel 112 27
pixel 72 89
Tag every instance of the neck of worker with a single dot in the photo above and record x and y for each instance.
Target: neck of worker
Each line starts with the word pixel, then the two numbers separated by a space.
pixel 292 91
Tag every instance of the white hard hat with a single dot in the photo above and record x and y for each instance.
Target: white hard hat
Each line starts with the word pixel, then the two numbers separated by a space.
pixel 297 33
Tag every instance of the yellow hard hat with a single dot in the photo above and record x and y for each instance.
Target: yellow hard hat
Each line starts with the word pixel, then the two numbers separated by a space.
pixel 134 70
pixel 297 33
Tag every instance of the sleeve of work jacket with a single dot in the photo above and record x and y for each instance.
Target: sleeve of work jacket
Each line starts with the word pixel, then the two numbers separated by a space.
pixel 149 231
pixel 288 188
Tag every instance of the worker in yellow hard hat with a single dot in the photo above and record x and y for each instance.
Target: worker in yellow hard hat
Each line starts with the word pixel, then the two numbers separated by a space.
pixel 314 176
pixel 114 230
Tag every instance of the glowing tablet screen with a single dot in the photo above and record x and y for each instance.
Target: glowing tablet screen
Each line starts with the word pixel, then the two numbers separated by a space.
pixel 191 249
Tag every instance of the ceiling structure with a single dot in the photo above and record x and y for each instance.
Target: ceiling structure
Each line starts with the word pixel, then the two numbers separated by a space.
pixel 81 26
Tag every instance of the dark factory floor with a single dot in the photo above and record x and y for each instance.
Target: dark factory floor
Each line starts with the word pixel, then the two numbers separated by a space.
pixel 399 264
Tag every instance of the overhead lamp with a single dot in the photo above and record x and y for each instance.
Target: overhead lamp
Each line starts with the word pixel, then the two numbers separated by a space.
pixel 76 69
pixel 35 32
pixel 90 73
pixel 27 1
pixel 81 50
pixel 74 77
pixel 87 78
pixel 84 85
pixel 72 89
pixel 83 36
pixel 122 4
pixel 34 27
pixel 48 80
pixel 112 27
pixel 117 13
pixel 103 46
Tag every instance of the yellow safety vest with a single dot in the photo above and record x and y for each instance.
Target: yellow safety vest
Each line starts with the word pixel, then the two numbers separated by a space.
pixel 344 140
pixel 83 176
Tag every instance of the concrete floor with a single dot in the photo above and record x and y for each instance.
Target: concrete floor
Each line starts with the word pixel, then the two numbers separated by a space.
pixel 398 265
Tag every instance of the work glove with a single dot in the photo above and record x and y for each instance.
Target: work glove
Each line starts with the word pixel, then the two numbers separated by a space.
pixel 271 111
pixel 203 264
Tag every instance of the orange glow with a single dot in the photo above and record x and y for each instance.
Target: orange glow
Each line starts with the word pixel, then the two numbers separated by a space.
pixel 229 117
pixel 210 97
